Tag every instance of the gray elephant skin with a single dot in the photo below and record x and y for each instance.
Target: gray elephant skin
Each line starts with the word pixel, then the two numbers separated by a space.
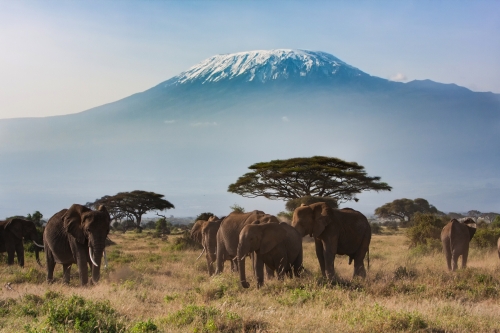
pixel 229 233
pixel 335 231
pixel 205 233
pixel 455 238
pixel 76 236
pixel 278 246
pixel 12 233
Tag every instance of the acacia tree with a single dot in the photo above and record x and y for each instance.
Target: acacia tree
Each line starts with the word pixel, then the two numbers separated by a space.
pixel 316 176
pixel 132 204
pixel 404 209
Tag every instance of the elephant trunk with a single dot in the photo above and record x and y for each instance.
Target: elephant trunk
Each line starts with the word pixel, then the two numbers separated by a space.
pixel 37 256
pixel 240 257
pixel 96 254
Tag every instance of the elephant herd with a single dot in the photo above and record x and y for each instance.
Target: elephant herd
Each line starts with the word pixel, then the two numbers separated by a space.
pixel 278 246
pixel 77 236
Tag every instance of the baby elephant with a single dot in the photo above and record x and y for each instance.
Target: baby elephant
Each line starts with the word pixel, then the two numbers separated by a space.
pixel 455 237
pixel 279 246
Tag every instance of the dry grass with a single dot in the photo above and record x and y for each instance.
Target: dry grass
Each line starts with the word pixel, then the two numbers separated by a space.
pixel 151 288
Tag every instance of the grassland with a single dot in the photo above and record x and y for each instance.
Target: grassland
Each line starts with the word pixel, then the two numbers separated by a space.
pixel 150 287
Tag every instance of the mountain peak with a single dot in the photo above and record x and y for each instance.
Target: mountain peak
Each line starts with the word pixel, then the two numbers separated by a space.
pixel 266 65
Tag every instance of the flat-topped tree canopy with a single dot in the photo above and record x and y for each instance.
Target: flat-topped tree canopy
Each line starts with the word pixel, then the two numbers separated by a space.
pixel 132 204
pixel 316 176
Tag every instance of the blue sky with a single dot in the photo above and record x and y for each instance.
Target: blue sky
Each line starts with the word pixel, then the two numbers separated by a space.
pixel 64 57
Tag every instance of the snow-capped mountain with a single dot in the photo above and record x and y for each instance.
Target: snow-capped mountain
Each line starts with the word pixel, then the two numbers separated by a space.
pixel 266 65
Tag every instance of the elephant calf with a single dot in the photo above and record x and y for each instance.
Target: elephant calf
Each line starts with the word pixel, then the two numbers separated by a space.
pixel 278 246
pixel 455 238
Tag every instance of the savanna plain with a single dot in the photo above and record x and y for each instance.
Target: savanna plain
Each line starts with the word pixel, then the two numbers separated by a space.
pixel 155 284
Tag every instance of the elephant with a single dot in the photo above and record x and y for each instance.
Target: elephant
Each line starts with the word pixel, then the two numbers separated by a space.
pixel 195 232
pixel 12 233
pixel 205 232
pixel 455 238
pixel 76 236
pixel 229 233
pixel 278 246
pixel 335 231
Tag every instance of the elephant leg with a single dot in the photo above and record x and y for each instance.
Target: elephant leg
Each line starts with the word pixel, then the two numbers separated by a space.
pixel 359 266
pixel 66 273
pixel 447 251
pixel 83 269
pixel 10 257
pixel 210 264
pixel 20 254
pixel 297 265
pixel 259 270
pixel 319 254
pixel 329 251
pixel 454 261
pixel 465 255
pixel 269 272
pixel 51 264
pixel 220 258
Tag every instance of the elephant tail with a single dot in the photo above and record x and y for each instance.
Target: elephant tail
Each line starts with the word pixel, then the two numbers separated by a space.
pixel 368 258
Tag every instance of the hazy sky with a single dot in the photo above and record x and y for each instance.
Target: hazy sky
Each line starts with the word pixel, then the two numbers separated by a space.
pixel 63 57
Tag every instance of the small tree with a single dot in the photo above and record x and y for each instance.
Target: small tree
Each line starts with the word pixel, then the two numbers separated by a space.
pixel 36 218
pixel 237 208
pixel 132 204
pixel 404 209
pixel 163 227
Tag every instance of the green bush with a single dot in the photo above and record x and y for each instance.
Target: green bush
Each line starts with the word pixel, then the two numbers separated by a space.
pixel 425 226
pixel 376 228
pixel 144 327
pixel 486 238
pixel 185 242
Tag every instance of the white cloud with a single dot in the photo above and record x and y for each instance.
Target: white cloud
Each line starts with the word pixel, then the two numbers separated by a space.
pixel 205 124
pixel 170 121
pixel 285 119
pixel 399 77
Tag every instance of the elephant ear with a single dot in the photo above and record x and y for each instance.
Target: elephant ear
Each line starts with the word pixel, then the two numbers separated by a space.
pixel 271 237
pixel 103 210
pixel 321 218
pixel 73 222
pixel 15 226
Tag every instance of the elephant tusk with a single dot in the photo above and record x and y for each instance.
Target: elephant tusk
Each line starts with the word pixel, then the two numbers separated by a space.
pixel 105 258
pixel 92 257
pixel 38 245
pixel 201 253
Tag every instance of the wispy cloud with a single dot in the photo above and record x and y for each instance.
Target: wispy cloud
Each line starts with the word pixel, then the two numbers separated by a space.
pixel 285 119
pixel 399 77
pixel 204 124
pixel 170 121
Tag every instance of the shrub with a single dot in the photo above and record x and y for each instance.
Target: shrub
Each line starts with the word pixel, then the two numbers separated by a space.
pixel 237 208
pixel 486 238
pixel 144 327
pixel 185 242
pixel 376 229
pixel 204 216
pixel 425 226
